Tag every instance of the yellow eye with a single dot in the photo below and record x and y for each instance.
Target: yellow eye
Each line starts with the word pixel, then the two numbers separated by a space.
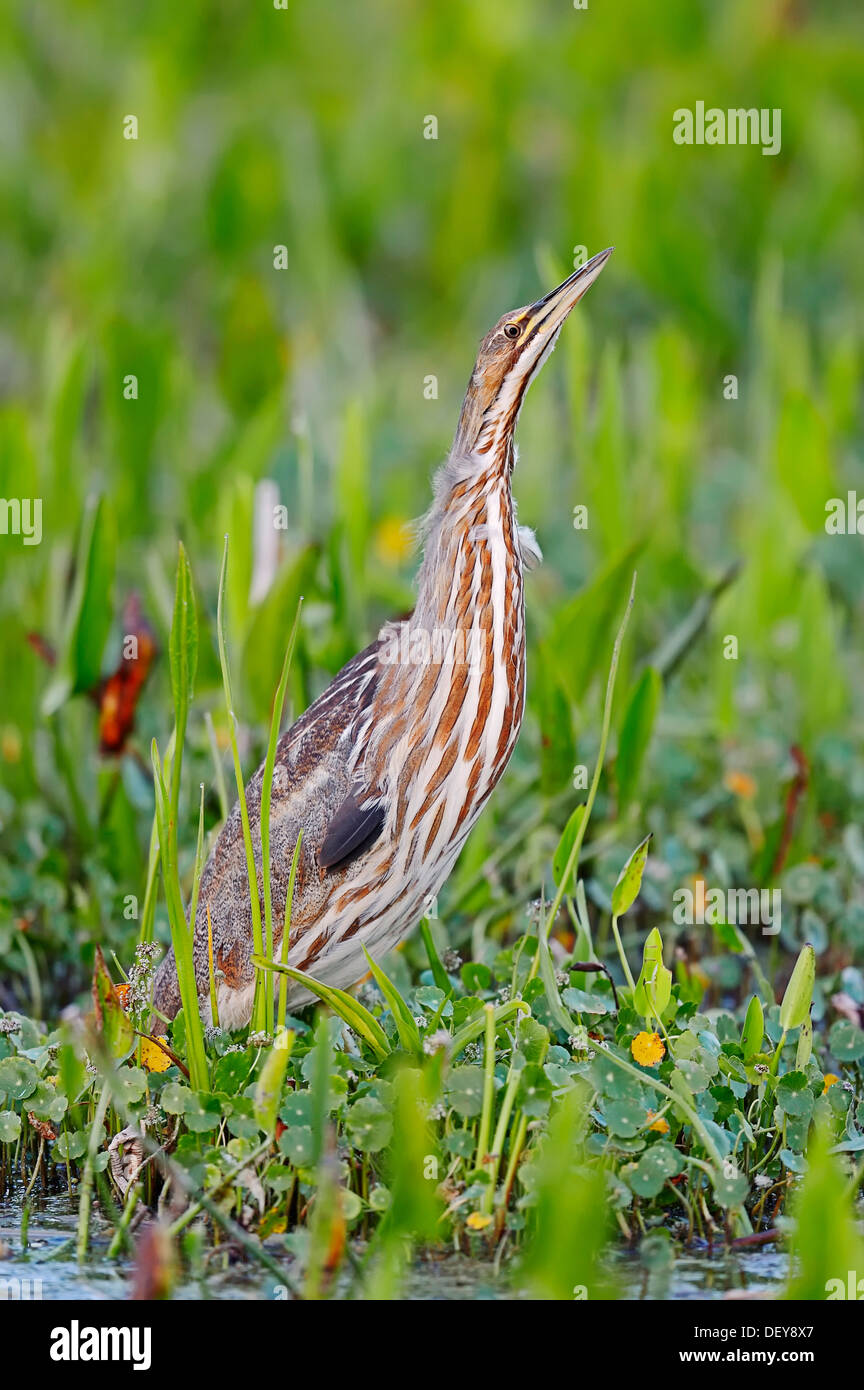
pixel 512 330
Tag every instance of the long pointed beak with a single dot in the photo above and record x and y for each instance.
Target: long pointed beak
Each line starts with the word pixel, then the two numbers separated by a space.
pixel 550 312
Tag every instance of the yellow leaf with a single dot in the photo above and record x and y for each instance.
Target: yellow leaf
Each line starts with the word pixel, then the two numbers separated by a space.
pixel 152 1057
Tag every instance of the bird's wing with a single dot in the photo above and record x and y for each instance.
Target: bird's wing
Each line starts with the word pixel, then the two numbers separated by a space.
pixel 312 782
pixel 346 705
pixel 345 701
pixel 353 827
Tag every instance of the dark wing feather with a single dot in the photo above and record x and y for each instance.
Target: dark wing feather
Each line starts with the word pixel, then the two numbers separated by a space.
pixel 353 827
pixel 358 820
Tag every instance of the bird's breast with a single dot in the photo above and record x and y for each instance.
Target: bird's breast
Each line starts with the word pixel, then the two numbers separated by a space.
pixel 455 720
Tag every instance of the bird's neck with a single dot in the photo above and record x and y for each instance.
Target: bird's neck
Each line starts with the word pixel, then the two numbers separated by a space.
pixel 487 420
pixel 472 564
pixel 453 677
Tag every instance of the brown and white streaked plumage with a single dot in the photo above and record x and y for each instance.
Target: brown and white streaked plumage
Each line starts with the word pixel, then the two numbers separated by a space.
pixel 388 770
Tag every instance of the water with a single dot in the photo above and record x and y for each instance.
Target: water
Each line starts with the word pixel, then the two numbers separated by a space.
pixel 50 1259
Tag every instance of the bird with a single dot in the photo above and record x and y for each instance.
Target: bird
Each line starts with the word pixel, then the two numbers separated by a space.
pixel 387 771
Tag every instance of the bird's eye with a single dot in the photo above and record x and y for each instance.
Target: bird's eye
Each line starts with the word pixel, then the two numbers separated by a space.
pixel 512 330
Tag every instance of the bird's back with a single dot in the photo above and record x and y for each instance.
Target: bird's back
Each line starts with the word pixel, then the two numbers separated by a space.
pixel 310 782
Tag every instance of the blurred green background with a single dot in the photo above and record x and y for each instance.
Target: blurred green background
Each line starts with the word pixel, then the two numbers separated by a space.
pixel 304 128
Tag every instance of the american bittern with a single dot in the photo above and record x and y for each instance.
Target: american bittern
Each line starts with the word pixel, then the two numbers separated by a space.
pixel 388 770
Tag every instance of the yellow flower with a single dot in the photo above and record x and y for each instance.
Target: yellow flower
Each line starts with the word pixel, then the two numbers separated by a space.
pixel 830 1080
pixel 478 1222
pixel 10 744
pixel 661 1126
pixel 152 1057
pixel 648 1049
pixel 741 783
pixel 393 541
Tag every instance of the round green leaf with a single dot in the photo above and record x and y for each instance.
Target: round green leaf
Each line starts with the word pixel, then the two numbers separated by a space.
pixel 298 1146
pixel 796 1163
pixel 460 1142
pixel 846 1041
pixel 625 1117
pixel 10 1126
pixel 731 1186
pixel 203 1112
pixel 132 1083
pixel 71 1145
pixel 46 1104
pixel 694 1074
pixel 18 1078
pixel 657 1164
pixel 535 1092
pixel 369 1125
pixel 465 1090
pixel 794 1096
pixel 279 1176
pixel 173 1097
pixel 297 1109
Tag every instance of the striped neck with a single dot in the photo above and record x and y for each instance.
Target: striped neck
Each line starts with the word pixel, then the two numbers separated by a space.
pixel 470 532
pixel 451 691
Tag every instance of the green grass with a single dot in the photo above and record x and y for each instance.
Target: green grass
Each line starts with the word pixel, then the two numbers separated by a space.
pixel 155 259
pixel 428 1114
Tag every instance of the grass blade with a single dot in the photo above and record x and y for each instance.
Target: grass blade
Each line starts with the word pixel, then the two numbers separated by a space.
pixel 286 933
pixel 409 1033
pixel 439 974
pixel 258 1010
pixel 181 936
pixel 475 1026
pixel 183 661
pixel 199 864
pixel 571 866
pixel 348 1008
pixel 266 792
pixel 218 769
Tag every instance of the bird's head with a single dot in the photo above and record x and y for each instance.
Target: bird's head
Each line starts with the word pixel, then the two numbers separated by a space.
pixel 510 355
